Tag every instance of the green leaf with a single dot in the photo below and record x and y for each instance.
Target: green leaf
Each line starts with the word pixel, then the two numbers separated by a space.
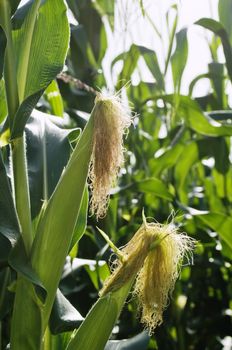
pixel 152 63
pixel 9 226
pixel 3 109
pixel 194 152
pixel 18 260
pixel 218 29
pixel 104 312
pixel 216 73
pixel 2 51
pixel 14 5
pixel 224 11
pixel 130 60
pixel 81 223
pixel 171 35
pixel 190 111
pixel 48 151
pixel 220 223
pixel 88 17
pixel 196 80
pixel 81 39
pixel 39 60
pixel 97 272
pixel 106 8
pixel 59 341
pixel 54 98
pixel 167 160
pixel 30 308
pixel 179 58
pixel 149 185
pixel 64 317
pixel 154 186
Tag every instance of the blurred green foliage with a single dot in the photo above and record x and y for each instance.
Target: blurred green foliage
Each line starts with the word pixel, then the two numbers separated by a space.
pixel 178 167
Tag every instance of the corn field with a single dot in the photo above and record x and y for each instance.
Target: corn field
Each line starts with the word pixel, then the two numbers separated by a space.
pixel 115 189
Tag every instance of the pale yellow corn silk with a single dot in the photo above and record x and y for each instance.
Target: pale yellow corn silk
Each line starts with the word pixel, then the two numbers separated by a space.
pixel 111 119
pixel 156 269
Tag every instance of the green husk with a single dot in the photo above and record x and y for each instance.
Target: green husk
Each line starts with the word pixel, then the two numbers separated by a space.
pixel 97 327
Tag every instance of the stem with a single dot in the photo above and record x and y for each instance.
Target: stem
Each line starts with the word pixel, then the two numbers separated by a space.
pixel 20 180
pixel 9 66
pixel 47 340
pixel 21 190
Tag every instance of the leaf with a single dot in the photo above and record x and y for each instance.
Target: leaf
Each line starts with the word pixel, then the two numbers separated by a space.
pixel 166 160
pixel 59 341
pixel 196 80
pixel 18 260
pixel 106 8
pixel 224 10
pixel 2 51
pixel 54 98
pixel 190 111
pixel 179 57
pixel 154 186
pixel 14 4
pixel 3 109
pixel 194 152
pixel 149 185
pixel 172 34
pixel 81 223
pixel 218 29
pixel 139 342
pixel 220 223
pixel 216 72
pixel 104 312
pixel 39 61
pixel 64 317
pixel 97 273
pixel 130 60
pixel 9 226
pixel 81 39
pixel 48 151
pixel 92 24
pixel 152 63
pixel 32 308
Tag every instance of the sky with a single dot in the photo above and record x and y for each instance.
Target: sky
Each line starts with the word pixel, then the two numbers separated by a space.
pixel 131 26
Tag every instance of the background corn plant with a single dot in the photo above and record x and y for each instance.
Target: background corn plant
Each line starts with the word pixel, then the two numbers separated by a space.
pixel 178 157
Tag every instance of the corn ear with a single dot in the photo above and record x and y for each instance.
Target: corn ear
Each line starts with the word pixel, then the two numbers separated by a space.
pixel 151 259
pixel 56 226
pixel 97 327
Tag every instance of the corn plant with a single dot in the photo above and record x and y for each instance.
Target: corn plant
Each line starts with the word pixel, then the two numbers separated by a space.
pixel 50 176
pixel 37 237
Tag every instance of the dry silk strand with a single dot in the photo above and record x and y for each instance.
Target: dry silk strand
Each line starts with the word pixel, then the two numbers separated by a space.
pixel 154 255
pixel 111 120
